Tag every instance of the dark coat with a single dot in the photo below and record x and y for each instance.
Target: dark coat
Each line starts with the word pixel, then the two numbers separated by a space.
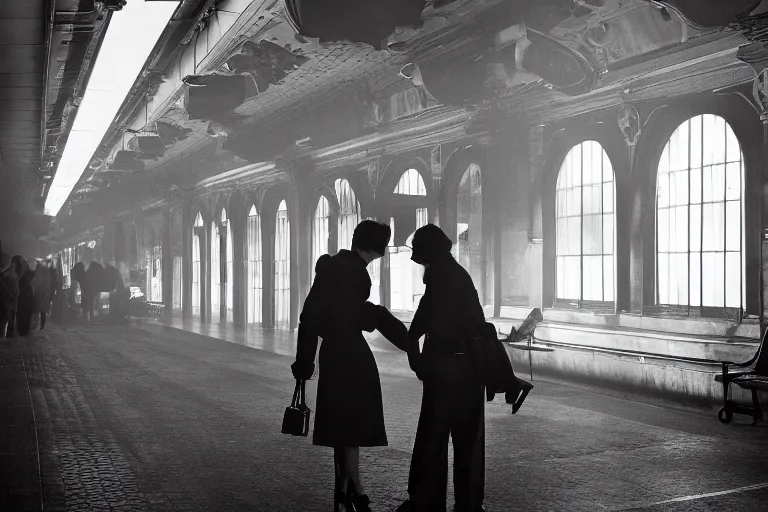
pixel 349 410
pixel 451 316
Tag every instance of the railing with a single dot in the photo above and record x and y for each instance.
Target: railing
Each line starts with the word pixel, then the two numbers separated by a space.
pixel 618 351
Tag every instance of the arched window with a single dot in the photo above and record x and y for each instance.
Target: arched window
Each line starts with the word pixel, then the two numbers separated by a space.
pixel 320 228
pixel 699 217
pixel 468 249
pixel 215 271
pixel 406 284
pixel 411 184
pixel 349 213
pixel 254 267
pixel 282 266
pixel 196 267
pixel 585 241
pixel 227 280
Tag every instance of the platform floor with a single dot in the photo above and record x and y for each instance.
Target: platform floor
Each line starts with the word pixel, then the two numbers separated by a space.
pixel 151 417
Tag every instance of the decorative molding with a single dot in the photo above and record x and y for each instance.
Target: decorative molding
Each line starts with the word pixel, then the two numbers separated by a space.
pixel 629 124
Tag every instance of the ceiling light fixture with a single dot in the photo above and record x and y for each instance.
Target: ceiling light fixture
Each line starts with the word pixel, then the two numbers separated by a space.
pixel 131 35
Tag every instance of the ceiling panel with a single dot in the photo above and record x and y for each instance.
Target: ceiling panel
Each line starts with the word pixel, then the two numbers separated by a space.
pixel 34 9
pixel 22 31
pixel 17 105
pixel 20 80
pixel 20 93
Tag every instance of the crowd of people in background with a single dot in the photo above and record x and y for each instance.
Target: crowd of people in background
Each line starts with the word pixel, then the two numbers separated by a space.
pixel 30 291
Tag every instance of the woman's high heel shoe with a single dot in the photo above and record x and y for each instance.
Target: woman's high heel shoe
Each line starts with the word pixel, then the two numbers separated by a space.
pixel 357 503
pixel 339 499
pixel 517 398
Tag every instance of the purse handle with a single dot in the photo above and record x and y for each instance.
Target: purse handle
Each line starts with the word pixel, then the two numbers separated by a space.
pixel 299 394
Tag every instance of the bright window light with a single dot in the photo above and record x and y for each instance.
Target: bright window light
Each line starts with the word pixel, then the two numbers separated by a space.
pixel 131 36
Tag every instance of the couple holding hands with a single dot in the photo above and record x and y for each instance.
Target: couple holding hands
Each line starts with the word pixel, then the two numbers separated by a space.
pixel 349 412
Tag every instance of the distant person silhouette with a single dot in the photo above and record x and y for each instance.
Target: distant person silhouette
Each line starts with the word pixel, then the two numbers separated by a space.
pixel 349 412
pixel 453 400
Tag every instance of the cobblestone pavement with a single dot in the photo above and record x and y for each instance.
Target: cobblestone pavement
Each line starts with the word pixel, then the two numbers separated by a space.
pixel 154 418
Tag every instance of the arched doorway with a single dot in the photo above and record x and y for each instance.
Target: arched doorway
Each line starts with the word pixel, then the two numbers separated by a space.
pixel 405 277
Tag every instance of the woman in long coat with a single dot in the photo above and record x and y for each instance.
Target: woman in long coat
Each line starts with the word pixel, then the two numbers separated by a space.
pixel 349 412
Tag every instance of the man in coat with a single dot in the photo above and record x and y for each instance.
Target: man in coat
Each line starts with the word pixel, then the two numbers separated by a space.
pixel 453 401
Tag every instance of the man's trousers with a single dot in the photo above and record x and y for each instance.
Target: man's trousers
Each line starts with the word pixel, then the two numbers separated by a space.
pixel 453 405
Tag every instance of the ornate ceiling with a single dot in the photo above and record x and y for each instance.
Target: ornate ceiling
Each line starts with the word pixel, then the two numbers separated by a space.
pixel 517 57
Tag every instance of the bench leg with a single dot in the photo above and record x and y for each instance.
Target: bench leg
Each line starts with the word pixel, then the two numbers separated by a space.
pixel 757 414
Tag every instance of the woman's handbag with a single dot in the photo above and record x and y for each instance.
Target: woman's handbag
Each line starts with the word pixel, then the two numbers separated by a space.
pixel 296 417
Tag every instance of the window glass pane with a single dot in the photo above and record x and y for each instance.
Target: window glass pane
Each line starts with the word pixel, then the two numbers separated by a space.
pixel 709 150
pixel 593 278
pixel 681 187
pixel 573 277
pixel 593 231
pixel 575 201
pixel 696 142
pixel 608 285
pixel 695 185
pixel 695 278
pixel 574 235
pixel 608 197
pixel 662 273
pixel 719 280
pixel 576 165
pixel 681 276
pixel 712 233
pixel 712 279
pixel 608 234
pixel 732 279
pixel 695 230
pixel 733 224
pixel 586 164
pixel 681 229
pixel 662 226
pixel 733 180
pixel 718 140
pixel 706 183
pixel 718 182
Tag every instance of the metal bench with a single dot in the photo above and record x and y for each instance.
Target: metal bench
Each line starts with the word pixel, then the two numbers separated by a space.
pixel 752 376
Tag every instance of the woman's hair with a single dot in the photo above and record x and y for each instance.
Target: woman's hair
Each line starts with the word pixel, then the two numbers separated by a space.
pixel 370 235
pixel 429 244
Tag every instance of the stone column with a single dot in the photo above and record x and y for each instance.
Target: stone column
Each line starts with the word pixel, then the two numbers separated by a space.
pixel 535 230
pixel 239 279
pixel 167 260
pixel 301 234
pixel 268 266
pixel 495 167
pixel 108 243
pixel 186 259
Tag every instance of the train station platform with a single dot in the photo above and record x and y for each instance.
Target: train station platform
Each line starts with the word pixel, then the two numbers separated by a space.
pixel 187 417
